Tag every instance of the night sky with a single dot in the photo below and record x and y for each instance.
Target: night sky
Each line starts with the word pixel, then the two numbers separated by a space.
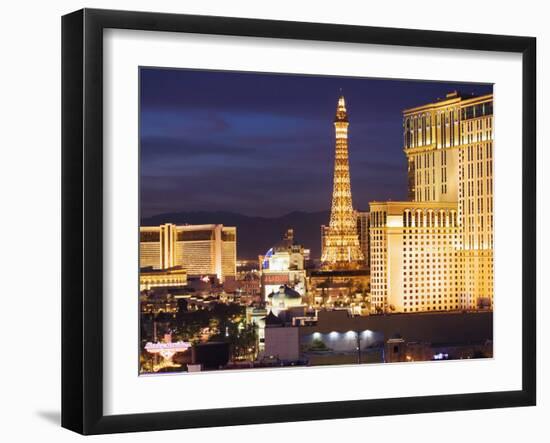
pixel 263 144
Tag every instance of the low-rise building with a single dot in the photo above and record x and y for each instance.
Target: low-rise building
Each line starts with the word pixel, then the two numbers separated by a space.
pixel 283 265
pixel 153 278
pixel 336 337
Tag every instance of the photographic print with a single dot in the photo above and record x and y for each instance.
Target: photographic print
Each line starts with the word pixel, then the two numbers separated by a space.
pixel 300 220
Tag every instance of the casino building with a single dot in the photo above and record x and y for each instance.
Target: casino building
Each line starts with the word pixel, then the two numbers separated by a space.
pixel 150 278
pixel 198 249
pixel 435 251
pixel 416 263
pixel 283 265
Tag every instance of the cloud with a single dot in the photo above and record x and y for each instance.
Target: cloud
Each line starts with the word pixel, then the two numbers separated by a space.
pixel 156 148
pixel 264 143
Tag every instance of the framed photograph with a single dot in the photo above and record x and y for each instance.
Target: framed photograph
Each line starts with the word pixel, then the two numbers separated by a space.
pixel 269 221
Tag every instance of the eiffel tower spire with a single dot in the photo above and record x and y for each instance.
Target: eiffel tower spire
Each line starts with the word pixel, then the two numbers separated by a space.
pixel 342 250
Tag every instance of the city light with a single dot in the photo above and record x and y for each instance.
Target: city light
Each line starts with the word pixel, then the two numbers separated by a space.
pixel 391 282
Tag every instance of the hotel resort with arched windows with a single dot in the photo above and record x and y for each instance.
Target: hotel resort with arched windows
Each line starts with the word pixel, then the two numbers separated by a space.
pixel 435 251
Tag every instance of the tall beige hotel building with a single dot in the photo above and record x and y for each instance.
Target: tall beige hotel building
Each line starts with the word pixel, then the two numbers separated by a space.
pixel 434 252
pixel 199 249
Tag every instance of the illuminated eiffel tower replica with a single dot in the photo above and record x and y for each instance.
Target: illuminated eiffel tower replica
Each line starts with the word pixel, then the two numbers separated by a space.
pixel 341 244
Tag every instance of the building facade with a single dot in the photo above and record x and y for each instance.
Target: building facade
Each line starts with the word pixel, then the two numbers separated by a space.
pixel 416 263
pixel 156 246
pixel 449 150
pixel 154 278
pixel 283 265
pixel 475 200
pixel 344 338
pixel 363 228
pixel 198 249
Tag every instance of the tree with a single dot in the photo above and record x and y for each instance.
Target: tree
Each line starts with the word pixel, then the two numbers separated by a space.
pixel 182 305
pixel 318 345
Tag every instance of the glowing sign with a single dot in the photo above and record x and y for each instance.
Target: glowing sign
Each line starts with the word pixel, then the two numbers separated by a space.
pixel 167 350
pixel 275 279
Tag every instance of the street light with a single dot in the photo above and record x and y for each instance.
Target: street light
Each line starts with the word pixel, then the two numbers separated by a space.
pixel 358 344
pixel 358 335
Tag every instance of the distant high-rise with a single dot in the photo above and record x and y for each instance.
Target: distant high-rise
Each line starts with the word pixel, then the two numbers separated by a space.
pixel 199 249
pixel 341 249
pixel 156 246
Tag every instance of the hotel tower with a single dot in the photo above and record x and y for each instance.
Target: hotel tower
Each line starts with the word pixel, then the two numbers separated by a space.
pixel 341 249
pixel 199 249
pixel 435 251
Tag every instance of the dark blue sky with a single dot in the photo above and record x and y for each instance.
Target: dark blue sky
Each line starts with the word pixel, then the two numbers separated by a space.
pixel 263 144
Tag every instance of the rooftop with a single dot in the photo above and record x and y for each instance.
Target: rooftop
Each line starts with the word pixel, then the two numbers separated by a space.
pixel 451 98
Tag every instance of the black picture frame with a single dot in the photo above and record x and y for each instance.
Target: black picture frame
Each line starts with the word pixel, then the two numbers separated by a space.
pixel 82 218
